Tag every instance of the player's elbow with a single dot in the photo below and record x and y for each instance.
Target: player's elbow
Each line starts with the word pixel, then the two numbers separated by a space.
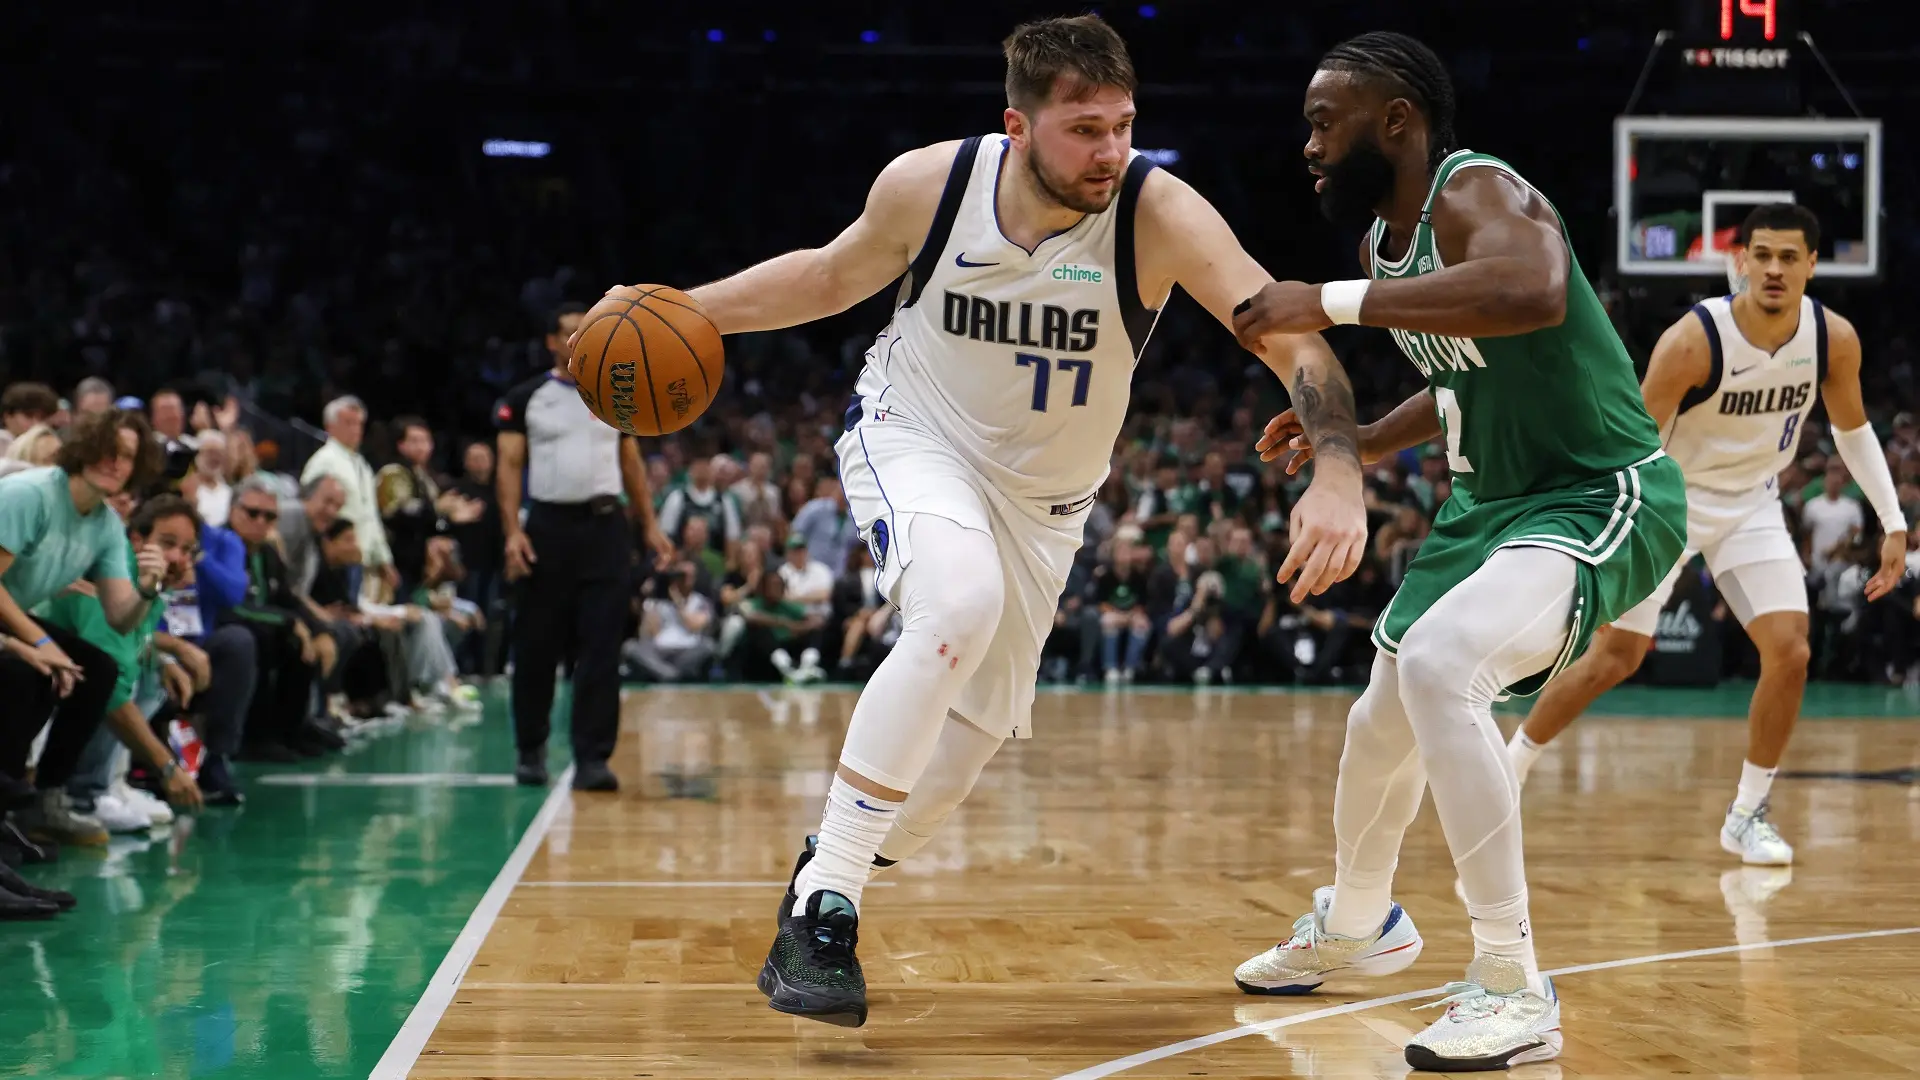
pixel 1542 302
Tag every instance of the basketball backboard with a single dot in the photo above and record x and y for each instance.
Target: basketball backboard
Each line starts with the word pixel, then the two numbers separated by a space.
pixel 1683 184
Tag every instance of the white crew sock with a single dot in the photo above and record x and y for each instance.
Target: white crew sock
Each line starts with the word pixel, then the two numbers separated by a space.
pixel 1755 782
pixel 1523 752
pixel 852 829
pixel 1502 930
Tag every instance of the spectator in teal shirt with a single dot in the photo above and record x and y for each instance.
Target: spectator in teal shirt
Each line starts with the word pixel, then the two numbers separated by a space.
pixel 56 529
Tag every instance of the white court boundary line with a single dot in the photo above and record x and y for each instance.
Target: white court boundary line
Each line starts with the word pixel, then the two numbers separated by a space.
pixel 412 1037
pixel 1120 1065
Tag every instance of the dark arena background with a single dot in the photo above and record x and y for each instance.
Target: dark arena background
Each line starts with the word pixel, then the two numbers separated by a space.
pixel 249 223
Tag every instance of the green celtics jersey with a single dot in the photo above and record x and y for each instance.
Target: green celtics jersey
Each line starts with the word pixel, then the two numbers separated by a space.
pixel 1533 412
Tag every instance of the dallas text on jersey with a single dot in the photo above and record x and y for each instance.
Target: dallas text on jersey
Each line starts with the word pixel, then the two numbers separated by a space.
pixel 980 319
pixel 1760 402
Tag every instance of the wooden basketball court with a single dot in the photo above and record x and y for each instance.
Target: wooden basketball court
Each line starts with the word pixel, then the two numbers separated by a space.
pixel 1082 914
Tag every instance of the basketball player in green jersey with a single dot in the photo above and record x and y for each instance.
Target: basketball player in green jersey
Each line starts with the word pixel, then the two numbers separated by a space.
pixel 1564 514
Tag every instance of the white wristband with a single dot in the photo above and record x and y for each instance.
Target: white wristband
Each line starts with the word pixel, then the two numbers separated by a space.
pixel 1341 300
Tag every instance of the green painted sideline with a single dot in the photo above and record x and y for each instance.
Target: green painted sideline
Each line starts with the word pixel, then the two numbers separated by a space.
pixel 288 938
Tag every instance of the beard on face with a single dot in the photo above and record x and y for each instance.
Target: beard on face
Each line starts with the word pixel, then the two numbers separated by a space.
pixel 1356 183
pixel 1060 190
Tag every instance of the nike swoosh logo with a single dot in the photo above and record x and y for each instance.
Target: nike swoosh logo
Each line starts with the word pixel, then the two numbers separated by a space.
pixel 862 804
pixel 961 260
pixel 1743 370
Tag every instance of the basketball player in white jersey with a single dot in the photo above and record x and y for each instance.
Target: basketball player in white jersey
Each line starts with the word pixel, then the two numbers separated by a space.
pixel 1730 384
pixel 1034 265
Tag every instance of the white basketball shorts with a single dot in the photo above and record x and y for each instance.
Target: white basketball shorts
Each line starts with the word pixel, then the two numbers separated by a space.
pixel 1749 553
pixel 892 469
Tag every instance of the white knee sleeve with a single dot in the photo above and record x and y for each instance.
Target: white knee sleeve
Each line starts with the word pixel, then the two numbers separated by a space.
pixel 962 752
pixel 950 601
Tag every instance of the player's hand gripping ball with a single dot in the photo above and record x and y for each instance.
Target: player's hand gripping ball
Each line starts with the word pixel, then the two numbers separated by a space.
pixel 647 360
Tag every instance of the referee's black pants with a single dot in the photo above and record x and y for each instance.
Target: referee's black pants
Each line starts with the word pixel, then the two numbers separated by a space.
pixel 574 602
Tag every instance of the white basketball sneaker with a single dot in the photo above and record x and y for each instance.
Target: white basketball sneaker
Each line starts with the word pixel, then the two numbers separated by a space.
pixel 1493 1021
pixel 1303 962
pixel 1751 836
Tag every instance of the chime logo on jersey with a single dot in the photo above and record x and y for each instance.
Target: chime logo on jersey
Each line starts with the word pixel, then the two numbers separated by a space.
pixel 1076 272
pixel 1053 327
pixel 1761 402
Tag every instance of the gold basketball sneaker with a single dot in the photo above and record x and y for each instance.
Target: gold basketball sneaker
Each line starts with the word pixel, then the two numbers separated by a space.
pixel 1303 962
pixel 1493 1021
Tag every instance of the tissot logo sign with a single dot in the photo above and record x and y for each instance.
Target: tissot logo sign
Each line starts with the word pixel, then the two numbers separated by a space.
pixel 1767 59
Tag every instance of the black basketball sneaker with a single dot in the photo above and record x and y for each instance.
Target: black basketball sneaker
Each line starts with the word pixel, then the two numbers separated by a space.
pixel 811 970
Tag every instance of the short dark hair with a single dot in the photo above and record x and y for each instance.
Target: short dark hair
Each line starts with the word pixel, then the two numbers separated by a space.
pixel 401 424
pixel 570 307
pixel 1084 49
pixel 32 398
pixel 159 508
pixel 1783 217
pixel 95 437
pixel 1410 70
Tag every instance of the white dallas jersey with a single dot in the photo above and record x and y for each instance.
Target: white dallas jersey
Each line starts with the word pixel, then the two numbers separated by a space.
pixel 1735 434
pixel 1021 360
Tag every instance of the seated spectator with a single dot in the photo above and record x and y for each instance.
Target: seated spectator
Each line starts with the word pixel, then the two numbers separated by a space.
pixel 412 506
pixel 695 548
pixel 56 529
pixel 280 725
pixel 868 624
pixel 207 484
pixel 773 623
pixel 1120 590
pixel 827 525
pixel 809 581
pixel 166 526
pixel 36 447
pixel 24 406
pixel 756 495
pixel 413 639
pixel 699 497
pixel 220 658
pixel 481 547
pixel 302 523
pixel 92 395
pixel 439 593
pixel 674 645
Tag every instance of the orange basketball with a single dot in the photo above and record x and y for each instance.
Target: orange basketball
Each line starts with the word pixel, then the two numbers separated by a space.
pixel 648 360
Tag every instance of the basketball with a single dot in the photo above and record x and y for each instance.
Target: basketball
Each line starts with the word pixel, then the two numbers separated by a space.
pixel 648 360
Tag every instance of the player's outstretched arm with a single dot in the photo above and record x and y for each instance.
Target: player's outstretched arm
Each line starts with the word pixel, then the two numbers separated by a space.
pixel 813 283
pixel 1860 449
pixel 1505 273
pixel 1411 423
pixel 1181 239
pixel 1682 360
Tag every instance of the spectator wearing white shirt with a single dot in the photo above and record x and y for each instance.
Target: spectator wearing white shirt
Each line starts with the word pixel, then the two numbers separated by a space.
pixel 1830 518
pixel 809 581
pixel 211 493
pixel 345 419
pixel 674 644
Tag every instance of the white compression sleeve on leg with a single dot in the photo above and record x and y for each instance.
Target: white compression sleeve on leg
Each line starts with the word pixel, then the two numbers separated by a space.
pixel 1868 464
pixel 1507 621
pixel 963 751
pixel 950 602
pixel 1374 800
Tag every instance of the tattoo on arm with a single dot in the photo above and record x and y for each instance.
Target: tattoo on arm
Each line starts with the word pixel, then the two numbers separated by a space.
pixel 1327 414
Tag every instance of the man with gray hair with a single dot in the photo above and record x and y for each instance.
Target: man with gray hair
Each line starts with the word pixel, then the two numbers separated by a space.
pixel 345 419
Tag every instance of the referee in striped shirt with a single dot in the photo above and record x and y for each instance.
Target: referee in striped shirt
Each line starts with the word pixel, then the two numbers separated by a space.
pixel 571 558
